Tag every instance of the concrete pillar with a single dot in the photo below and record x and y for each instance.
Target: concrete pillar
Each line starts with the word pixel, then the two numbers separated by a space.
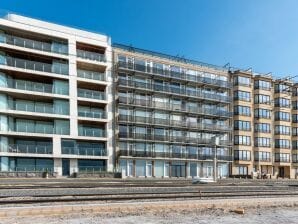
pixel 58 166
pixel 73 166
pixel 57 146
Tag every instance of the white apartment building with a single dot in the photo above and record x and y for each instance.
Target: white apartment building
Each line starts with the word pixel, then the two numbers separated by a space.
pixel 55 98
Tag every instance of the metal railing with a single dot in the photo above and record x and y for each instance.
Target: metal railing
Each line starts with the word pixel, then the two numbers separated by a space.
pixel 91 75
pixel 168 106
pixel 34 65
pixel 84 151
pixel 91 94
pixel 91 55
pixel 180 91
pixel 174 74
pixel 178 155
pixel 172 123
pixel 91 169
pixel 32 44
pixel 91 132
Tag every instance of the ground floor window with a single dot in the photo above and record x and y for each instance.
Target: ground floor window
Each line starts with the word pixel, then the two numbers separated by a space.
pixel 26 164
pixel 242 170
pixel 88 165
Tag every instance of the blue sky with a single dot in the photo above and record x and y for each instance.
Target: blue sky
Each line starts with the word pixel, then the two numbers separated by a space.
pixel 258 34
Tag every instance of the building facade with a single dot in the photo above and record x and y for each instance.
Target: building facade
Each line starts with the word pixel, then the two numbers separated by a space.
pixel 69 103
pixel 168 113
pixel 55 98
pixel 265 125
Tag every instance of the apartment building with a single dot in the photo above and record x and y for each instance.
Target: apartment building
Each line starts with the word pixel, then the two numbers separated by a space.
pixel 265 125
pixel 169 111
pixel 55 98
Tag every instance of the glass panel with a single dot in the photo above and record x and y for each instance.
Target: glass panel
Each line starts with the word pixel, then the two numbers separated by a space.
pixel 61 87
pixel 62 127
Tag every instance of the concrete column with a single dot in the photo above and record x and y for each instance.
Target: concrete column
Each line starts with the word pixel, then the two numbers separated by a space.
pixel 73 105
pixel 57 146
pixel 58 166
pixel 73 166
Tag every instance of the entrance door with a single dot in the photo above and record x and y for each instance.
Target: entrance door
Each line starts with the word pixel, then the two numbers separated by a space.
pixel 281 172
pixel 65 167
pixel 130 169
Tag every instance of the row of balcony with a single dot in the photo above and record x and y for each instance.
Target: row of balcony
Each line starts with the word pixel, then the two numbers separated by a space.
pixel 174 107
pixel 167 138
pixel 175 123
pixel 48 149
pixel 58 68
pixel 91 94
pixel 174 74
pixel 176 90
pixel 86 74
pixel 172 155
pixel 93 56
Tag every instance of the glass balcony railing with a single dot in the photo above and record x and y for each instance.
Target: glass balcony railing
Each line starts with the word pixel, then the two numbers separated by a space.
pixel 168 106
pixel 39 108
pixel 175 90
pixel 91 94
pixel 100 115
pixel 91 132
pixel 91 75
pixel 93 56
pixel 83 151
pixel 34 86
pixel 34 65
pixel 34 149
pixel 34 44
pixel 175 74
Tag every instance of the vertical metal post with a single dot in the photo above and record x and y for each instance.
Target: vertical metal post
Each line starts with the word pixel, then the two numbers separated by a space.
pixel 216 143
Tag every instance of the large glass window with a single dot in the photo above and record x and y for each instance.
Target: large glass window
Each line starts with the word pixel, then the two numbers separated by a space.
pixel 262 113
pixel 282 143
pixel 282 157
pixel 282 102
pixel 262 142
pixel 87 166
pixel 242 95
pixel 281 88
pixel 262 99
pixel 242 80
pixel 261 84
pixel 242 125
pixel 282 116
pixel 262 127
pixel 242 155
pixel 282 130
pixel 242 110
pixel 242 140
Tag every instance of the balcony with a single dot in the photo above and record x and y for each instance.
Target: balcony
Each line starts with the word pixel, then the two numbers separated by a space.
pixel 176 90
pixel 171 107
pixel 84 151
pixel 29 149
pixel 98 76
pixel 91 94
pixel 60 68
pixel 93 56
pixel 91 131
pixel 174 74
pixel 92 114
pixel 176 155
pixel 34 44
pixel 34 86
pixel 262 159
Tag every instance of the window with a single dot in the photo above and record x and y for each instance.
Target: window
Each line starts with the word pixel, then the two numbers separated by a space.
pixel 282 102
pixel 262 127
pixel 261 84
pixel 262 142
pixel 295 105
pixel 262 113
pixel 242 155
pixel 262 156
pixel 242 110
pixel 242 140
pixel 282 157
pixel 242 125
pixel 282 116
pixel 282 130
pixel 242 95
pixel 295 131
pixel 295 144
pixel 295 118
pixel 282 143
pixel 295 91
pixel 241 170
pixel 262 99
pixel 241 80
pixel 281 88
